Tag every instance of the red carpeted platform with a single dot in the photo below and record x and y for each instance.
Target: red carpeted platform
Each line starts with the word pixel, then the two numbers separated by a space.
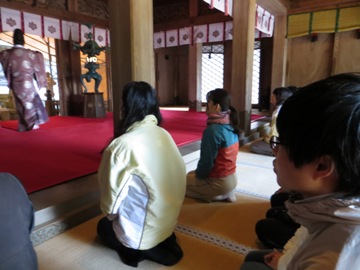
pixel 66 148
pixel 257 117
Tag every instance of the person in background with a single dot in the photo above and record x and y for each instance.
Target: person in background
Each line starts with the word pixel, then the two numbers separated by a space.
pixel 215 176
pixel 262 146
pixel 16 224
pixel 317 158
pixel 277 228
pixel 21 66
pixel 142 179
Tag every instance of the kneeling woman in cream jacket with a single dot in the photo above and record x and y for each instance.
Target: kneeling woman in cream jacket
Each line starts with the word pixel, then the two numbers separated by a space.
pixel 142 181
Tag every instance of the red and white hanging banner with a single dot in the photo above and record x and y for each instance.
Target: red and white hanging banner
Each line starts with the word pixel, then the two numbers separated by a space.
pixel 10 19
pixel 66 30
pixel 172 38
pixel 216 32
pixel 264 21
pixel 107 37
pixel 200 34
pixel 84 32
pixel 35 24
pixel 32 24
pixel 75 31
pixel 228 30
pixel 259 34
pixel 222 5
pixel 55 28
pixel 230 7
pixel 52 27
pixel 100 36
pixel 159 40
pixel 185 36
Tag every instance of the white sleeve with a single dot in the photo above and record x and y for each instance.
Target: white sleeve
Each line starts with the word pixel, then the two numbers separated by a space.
pixel 291 247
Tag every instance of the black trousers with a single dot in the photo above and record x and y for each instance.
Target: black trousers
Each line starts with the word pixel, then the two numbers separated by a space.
pixel 167 252
pixel 254 260
pixel 277 228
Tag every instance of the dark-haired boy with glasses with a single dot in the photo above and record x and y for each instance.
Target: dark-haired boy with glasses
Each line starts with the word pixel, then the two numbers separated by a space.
pixel 317 157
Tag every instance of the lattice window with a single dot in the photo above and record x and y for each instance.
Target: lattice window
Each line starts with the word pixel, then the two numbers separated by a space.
pixel 212 72
pixel 256 74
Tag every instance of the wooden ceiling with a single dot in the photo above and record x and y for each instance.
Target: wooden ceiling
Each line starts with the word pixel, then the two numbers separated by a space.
pixel 284 7
pixel 298 6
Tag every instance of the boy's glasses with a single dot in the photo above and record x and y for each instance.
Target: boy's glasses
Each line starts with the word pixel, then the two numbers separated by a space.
pixel 274 141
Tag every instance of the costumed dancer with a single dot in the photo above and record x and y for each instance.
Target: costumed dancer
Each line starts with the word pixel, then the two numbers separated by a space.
pixel 21 66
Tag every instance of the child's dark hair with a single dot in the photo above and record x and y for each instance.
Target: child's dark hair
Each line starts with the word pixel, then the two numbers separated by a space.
pixel 222 97
pixel 138 101
pixel 323 118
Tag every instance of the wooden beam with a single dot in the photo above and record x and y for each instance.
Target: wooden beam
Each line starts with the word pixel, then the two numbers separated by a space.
pixel 212 18
pixel 193 9
pixel 72 5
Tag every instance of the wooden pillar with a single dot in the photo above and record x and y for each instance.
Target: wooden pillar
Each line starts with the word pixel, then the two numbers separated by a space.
pixel 194 86
pixel 278 8
pixel 132 50
pixel 195 60
pixel 227 64
pixel 335 54
pixel 69 71
pixel 278 74
pixel 110 96
pixel 242 59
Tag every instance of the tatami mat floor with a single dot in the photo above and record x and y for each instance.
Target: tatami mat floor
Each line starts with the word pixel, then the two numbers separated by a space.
pixel 213 236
